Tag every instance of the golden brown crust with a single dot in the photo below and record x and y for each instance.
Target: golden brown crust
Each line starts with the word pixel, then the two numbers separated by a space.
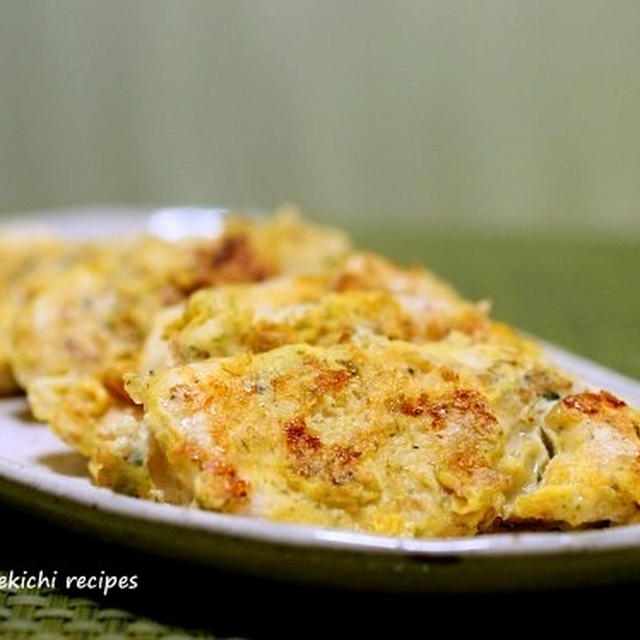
pixel 93 316
pixel 253 318
pixel 594 473
pixel 385 436
pixel 27 256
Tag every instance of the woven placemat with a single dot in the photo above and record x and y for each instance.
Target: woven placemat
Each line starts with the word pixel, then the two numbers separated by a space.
pixel 581 294
pixel 47 614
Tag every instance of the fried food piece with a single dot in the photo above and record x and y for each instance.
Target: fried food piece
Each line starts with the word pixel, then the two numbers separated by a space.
pixel 94 317
pixel 366 293
pixel 109 432
pixel 377 435
pixel 24 252
pixel 594 474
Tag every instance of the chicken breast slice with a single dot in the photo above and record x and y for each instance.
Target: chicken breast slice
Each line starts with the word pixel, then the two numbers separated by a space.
pixel 384 436
pixel 322 310
pixel 94 316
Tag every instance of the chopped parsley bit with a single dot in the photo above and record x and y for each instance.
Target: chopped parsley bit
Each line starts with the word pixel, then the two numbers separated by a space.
pixel 549 394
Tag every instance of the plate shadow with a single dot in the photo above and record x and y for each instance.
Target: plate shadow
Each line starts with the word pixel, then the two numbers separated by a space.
pixel 67 463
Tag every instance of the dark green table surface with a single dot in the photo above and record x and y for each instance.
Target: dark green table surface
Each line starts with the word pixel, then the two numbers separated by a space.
pixel 580 293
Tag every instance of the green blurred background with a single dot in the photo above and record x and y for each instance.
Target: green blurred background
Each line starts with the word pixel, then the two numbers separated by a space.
pixel 493 114
pixel 496 140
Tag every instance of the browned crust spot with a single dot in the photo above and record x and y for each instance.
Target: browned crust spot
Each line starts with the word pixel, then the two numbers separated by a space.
pixel 299 441
pixel 311 459
pixel 331 381
pixel 460 403
pixel 235 489
pixel 191 400
pixel 233 260
pixel 593 403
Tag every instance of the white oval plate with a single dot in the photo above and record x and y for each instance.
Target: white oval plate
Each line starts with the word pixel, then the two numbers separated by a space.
pixel 38 472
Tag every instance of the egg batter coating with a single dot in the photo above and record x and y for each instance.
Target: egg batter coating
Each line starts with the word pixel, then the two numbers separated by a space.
pixel 594 474
pixel 94 317
pixel 320 310
pixel 384 436
pixel 29 258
